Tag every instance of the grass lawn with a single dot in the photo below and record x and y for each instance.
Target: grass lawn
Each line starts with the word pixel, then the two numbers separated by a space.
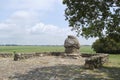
pixel 114 60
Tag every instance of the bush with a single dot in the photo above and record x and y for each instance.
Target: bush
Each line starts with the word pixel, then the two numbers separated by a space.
pixel 106 45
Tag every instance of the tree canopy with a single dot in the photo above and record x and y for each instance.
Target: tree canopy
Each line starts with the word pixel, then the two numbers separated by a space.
pixel 93 18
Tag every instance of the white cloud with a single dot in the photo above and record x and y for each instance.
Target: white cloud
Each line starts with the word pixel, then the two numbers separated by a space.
pixel 3 26
pixel 15 30
pixel 24 25
pixel 21 14
pixel 39 34
pixel 6 26
pixel 48 29
pixel 30 4
pixel 21 28
pixel 23 17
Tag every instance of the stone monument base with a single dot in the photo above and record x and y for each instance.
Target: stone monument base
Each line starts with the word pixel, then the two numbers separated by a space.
pixel 71 50
pixel 74 55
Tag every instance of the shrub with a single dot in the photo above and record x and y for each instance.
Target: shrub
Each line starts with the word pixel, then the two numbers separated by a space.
pixel 106 45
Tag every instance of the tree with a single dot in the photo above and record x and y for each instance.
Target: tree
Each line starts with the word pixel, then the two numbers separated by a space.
pixel 93 18
pixel 106 45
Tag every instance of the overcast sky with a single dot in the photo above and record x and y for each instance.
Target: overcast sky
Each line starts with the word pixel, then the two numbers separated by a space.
pixel 34 22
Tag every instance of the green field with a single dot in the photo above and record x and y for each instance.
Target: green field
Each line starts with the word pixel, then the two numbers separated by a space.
pixel 27 49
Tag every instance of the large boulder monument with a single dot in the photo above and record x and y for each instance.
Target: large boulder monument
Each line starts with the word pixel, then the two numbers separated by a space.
pixel 72 45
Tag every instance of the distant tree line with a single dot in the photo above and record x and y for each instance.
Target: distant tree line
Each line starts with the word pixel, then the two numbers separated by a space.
pixel 26 45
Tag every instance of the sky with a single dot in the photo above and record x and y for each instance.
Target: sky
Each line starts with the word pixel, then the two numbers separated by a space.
pixel 35 22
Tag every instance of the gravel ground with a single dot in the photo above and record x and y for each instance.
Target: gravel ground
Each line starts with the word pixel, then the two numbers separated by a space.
pixel 53 68
pixel 30 69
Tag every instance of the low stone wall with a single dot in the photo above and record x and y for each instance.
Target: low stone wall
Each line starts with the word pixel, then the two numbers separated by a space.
pixel 29 55
pixel 88 55
pixel 91 54
pixel 96 61
pixel 91 60
pixel 20 56
pixel 6 55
